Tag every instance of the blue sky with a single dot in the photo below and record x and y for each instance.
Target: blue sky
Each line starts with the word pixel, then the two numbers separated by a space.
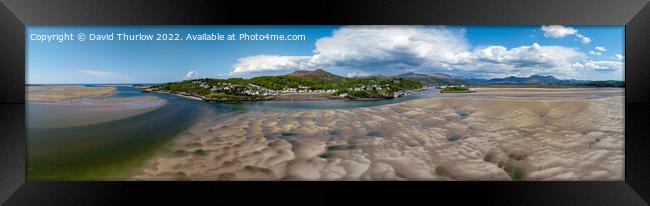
pixel 569 52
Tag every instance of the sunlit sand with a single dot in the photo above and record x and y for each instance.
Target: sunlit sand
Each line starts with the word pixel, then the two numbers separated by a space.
pixel 81 106
pixel 64 93
pixel 537 134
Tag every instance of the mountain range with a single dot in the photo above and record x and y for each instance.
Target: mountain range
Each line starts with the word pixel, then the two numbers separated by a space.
pixel 423 75
pixel 432 79
pixel 534 79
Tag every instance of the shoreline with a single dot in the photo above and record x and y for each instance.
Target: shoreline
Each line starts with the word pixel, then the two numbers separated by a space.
pixel 178 95
pixel 276 99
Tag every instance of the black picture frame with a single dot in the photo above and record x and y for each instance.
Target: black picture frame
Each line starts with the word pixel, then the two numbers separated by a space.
pixel 635 15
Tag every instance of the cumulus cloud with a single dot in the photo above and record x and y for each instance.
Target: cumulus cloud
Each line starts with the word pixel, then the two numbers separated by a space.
pixel 191 75
pixel 559 31
pixel 583 39
pixel 372 48
pixel 619 56
pixel 391 47
pixel 600 66
pixel 396 49
pixel 357 74
pixel 525 60
pixel 598 51
pixel 534 55
pixel 261 63
pixel 103 74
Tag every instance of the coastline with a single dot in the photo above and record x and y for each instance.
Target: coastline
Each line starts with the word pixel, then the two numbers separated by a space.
pixel 178 95
pixel 285 97
pixel 306 97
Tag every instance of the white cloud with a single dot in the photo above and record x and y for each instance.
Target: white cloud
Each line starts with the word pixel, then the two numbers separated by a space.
pixel 604 66
pixel 619 56
pixel 557 31
pixel 372 48
pixel 191 75
pixel 534 55
pixel 598 51
pixel 357 74
pixel 391 47
pixel 396 49
pixel 526 60
pixel 104 74
pixel 584 39
pixel 262 63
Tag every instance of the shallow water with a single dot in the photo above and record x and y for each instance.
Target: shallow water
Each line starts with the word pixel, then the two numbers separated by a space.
pixel 106 149
pixel 109 150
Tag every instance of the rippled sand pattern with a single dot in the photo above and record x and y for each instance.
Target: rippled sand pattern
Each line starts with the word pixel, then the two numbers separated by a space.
pixel 442 138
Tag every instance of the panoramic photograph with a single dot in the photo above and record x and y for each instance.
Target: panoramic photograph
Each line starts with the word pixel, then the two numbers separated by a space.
pixel 325 103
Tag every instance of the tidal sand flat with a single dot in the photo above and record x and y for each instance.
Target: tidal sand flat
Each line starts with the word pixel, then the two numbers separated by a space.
pixel 59 93
pixel 81 105
pixel 552 134
pixel 49 114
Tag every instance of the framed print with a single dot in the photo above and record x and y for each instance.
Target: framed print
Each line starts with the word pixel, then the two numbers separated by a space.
pixel 352 97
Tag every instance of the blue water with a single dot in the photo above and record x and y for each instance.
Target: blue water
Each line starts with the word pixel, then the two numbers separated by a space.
pixel 63 153
pixel 175 116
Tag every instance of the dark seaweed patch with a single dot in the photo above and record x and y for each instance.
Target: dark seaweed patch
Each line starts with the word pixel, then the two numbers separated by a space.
pixel 375 134
pixel 463 115
pixel 516 174
pixel 288 134
pixel 452 137
pixel 441 171
pixel 194 144
pixel 200 152
pixel 488 158
pixel 325 155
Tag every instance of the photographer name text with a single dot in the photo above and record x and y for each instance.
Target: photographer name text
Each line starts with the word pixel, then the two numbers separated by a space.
pixel 81 37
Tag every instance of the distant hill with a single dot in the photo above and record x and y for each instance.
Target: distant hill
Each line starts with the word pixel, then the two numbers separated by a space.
pixel 423 75
pixel 433 79
pixel 548 80
pixel 534 79
pixel 318 75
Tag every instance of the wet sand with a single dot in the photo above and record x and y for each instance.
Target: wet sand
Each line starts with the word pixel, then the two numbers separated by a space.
pixel 60 93
pixel 492 134
pixel 82 105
